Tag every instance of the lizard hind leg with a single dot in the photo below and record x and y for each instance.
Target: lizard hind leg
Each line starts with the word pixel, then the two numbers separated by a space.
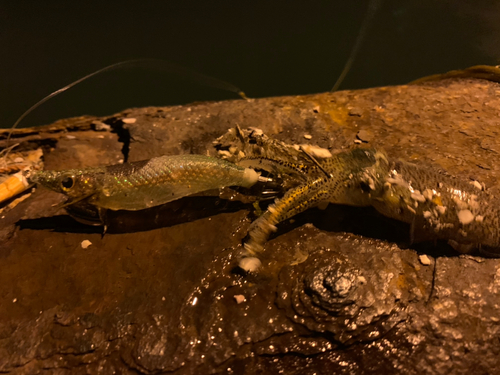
pixel 295 201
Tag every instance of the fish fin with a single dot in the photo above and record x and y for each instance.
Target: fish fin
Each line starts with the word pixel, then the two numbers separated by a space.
pixel 72 202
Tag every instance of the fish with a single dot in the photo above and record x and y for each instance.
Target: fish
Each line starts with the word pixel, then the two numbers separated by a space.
pixel 144 184
pixel 16 184
pixel 6 192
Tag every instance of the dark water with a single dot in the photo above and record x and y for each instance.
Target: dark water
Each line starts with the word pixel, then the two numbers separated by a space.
pixel 266 48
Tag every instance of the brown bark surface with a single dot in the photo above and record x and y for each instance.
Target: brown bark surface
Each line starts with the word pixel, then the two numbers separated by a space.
pixel 159 292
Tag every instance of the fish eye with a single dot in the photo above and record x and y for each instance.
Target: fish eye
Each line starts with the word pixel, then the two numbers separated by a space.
pixel 67 182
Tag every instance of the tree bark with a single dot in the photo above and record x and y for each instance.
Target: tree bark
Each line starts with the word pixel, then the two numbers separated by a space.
pixel 160 293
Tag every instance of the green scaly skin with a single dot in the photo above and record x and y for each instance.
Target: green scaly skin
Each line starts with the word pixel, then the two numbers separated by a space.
pixel 354 179
pixel 439 206
pixel 436 205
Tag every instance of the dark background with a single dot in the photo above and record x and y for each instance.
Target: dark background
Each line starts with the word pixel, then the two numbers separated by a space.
pixel 266 48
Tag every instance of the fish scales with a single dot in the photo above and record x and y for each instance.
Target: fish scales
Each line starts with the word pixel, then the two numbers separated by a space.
pixel 144 184
pixel 164 179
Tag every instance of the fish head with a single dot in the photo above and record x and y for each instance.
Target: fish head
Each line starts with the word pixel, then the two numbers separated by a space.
pixel 75 184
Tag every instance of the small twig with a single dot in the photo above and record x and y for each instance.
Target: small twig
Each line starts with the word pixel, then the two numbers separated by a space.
pixel 434 271
pixel 329 175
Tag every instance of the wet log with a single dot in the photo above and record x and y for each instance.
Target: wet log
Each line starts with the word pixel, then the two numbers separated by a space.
pixel 160 293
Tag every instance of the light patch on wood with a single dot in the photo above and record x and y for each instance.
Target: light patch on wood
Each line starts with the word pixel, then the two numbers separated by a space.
pixel 239 298
pixel 250 264
pixel 476 184
pixel 465 217
pixel 424 259
pixel 317 152
pixel 85 244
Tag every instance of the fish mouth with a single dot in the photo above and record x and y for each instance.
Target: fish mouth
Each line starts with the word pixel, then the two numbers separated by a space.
pixel 47 179
pixel 80 200
pixel 30 176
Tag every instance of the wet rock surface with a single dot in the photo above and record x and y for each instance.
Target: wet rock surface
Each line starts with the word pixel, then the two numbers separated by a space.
pixel 341 290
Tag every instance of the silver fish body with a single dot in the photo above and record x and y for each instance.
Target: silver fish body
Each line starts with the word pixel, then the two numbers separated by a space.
pixel 144 184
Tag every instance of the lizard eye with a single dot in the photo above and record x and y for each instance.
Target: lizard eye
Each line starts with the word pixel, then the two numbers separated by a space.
pixel 364 187
pixel 67 182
